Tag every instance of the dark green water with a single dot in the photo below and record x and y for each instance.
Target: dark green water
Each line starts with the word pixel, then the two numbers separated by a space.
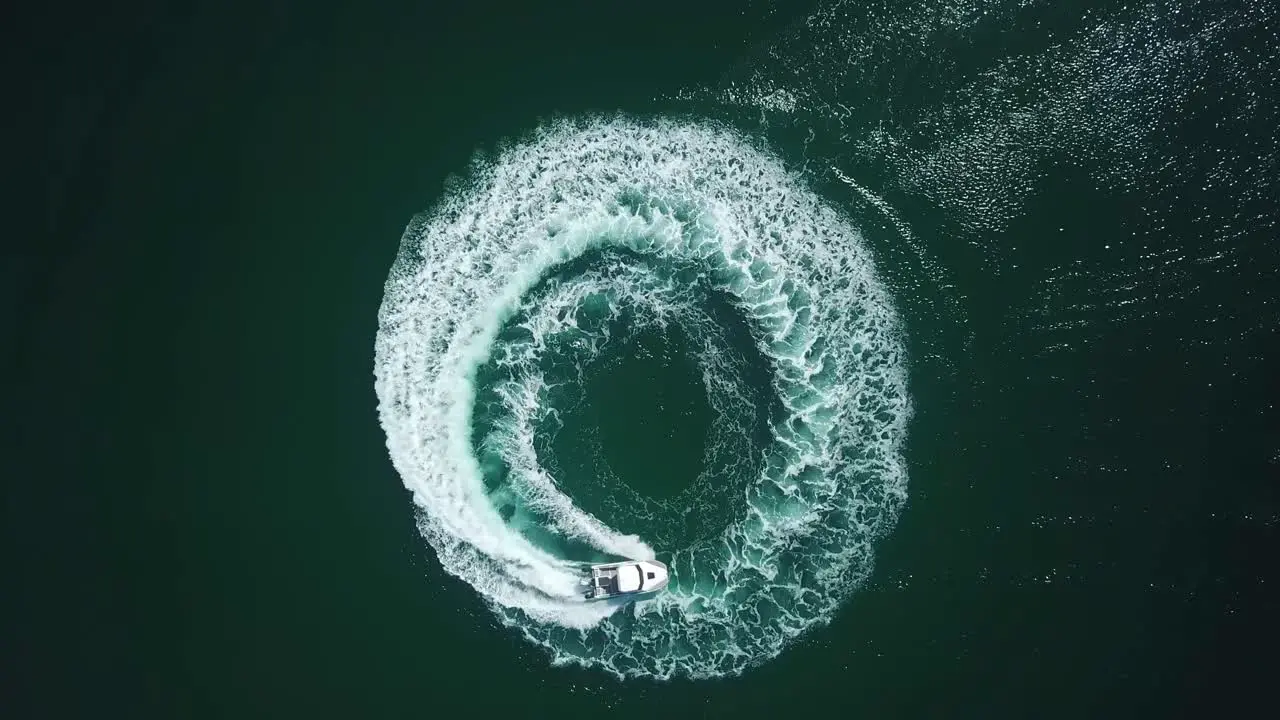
pixel 1077 227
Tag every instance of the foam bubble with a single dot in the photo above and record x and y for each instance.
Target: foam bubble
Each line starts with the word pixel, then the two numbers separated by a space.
pixel 474 291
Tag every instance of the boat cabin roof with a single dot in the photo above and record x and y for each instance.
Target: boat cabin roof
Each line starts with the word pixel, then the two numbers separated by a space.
pixel 629 578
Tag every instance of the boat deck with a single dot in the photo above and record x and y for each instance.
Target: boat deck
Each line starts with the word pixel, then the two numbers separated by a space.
pixel 605 579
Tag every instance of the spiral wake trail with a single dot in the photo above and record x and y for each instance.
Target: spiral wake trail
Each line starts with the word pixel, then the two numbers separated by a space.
pixel 531 274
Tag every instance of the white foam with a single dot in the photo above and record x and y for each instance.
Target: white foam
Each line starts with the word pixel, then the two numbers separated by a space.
pixel 800 274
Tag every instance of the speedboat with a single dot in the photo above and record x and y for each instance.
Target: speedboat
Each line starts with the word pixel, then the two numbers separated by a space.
pixel 631 579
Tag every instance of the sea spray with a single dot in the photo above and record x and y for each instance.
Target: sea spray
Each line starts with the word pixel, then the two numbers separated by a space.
pixel 670 219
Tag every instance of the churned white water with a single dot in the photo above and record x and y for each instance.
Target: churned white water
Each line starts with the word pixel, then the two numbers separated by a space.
pixel 829 481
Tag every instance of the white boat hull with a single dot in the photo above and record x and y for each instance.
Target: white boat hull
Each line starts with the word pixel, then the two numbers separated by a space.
pixel 628 579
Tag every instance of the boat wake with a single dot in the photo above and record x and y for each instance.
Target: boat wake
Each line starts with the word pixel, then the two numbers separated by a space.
pixel 536 265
